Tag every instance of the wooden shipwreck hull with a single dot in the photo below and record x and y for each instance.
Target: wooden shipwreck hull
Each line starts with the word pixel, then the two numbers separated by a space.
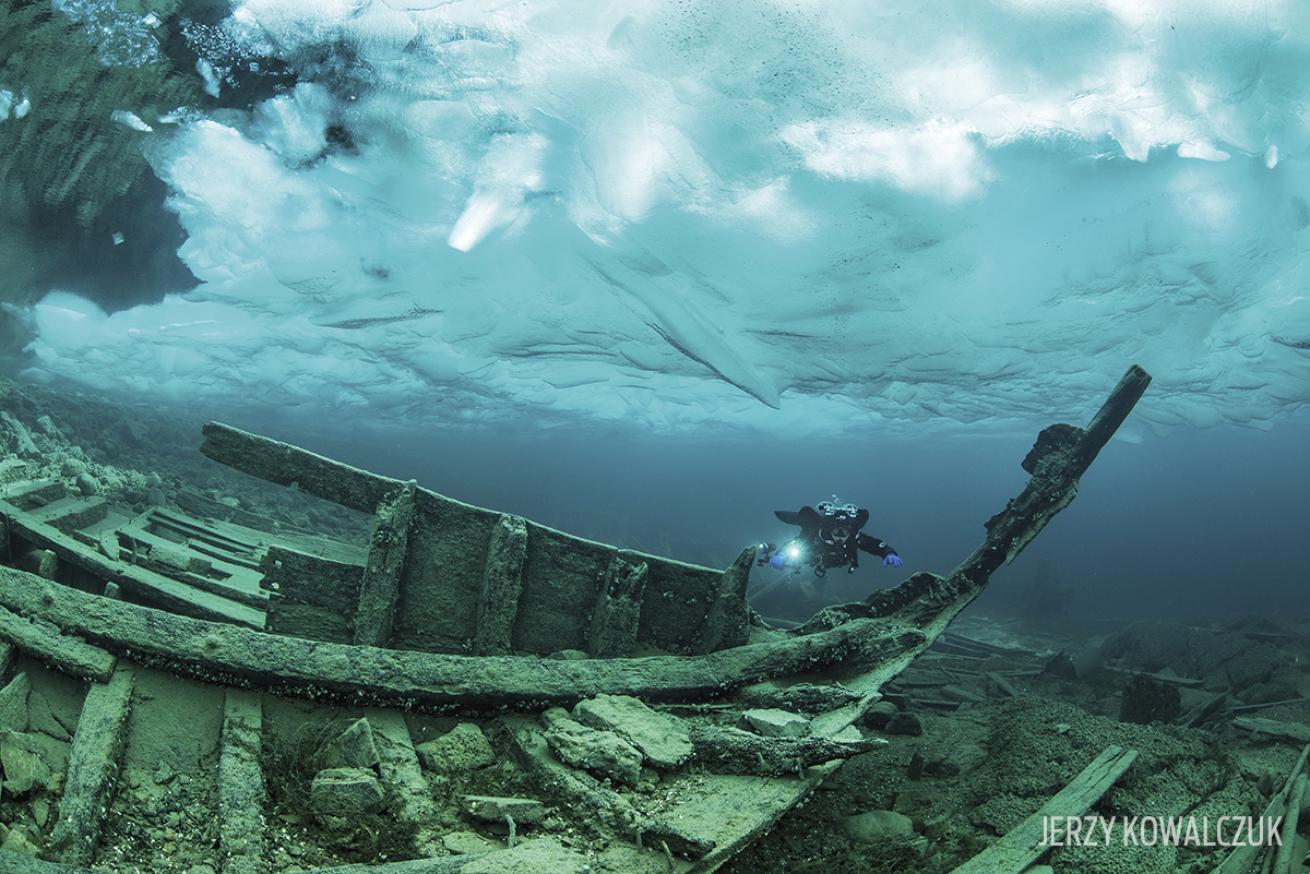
pixel 682 746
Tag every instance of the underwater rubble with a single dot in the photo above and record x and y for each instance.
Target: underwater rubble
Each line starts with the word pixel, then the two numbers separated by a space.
pixel 199 676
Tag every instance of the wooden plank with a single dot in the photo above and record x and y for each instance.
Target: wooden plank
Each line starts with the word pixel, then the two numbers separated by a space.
pixel 1240 859
pixel 93 764
pixel 438 680
pixel 1251 708
pixel 727 623
pixel 1286 861
pixel 1023 844
pixel 502 584
pixel 1298 732
pixel 242 795
pixel 170 593
pixel 617 614
pixel 284 464
pixel 69 654
pixel 379 587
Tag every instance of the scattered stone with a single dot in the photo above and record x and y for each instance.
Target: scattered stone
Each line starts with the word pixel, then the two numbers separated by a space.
pixel 568 655
pixel 353 748
pixel 464 842
pixel 904 723
pixel 23 443
pixel 344 792
pixel 20 841
pixel 662 739
pixel 878 826
pixel 87 484
pixel 769 722
pixel 47 425
pixel 463 748
pixel 40 811
pixel 915 769
pixel 1266 784
pixel 13 704
pixel 72 467
pixel 880 714
pixel 23 764
pixel 487 808
pixel 536 856
pixel 601 752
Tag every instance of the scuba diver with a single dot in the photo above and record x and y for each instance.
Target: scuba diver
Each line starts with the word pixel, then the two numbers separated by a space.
pixel 830 538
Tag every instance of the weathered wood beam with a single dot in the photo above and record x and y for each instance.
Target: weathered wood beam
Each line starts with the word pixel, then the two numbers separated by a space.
pixel 617 614
pixel 435 680
pixel 502 583
pixel 242 795
pixel 93 765
pixel 1023 844
pixel 727 623
pixel 1239 860
pixel 1297 732
pixel 388 550
pixel 1286 861
pixel 286 465
pixel 66 653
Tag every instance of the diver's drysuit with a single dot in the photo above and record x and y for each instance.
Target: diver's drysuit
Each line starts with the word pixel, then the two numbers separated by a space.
pixel 828 539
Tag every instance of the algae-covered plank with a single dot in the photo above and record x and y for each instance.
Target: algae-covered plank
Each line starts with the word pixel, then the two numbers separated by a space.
pixel 93 764
pixel 1023 844
pixel 12 862
pixel 284 464
pixel 241 792
pixel 502 584
pixel 727 623
pixel 69 654
pixel 1240 859
pixel 1297 732
pixel 313 668
pixel 379 586
pixel 617 614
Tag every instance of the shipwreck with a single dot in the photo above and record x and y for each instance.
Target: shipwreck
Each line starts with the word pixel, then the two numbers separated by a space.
pixel 500 695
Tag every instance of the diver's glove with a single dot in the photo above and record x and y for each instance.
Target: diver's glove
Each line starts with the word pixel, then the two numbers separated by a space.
pixel 779 561
pixel 891 559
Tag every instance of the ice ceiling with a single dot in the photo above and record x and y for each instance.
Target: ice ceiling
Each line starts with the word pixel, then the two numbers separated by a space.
pixel 784 215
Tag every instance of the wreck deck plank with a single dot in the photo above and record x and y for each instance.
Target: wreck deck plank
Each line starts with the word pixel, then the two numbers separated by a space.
pixel 1023 845
pixel 93 764
pixel 379 587
pixel 242 795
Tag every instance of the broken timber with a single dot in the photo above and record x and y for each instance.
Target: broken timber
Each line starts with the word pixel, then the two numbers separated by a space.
pixel 380 585
pixel 1239 861
pixel 241 791
pixel 1024 844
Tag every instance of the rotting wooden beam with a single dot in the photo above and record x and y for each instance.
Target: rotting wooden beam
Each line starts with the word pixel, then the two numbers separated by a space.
pixel 1242 856
pixel 727 623
pixel 435 680
pixel 1286 861
pixel 502 583
pixel 1296 732
pixel 287 465
pixel 242 795
pixel 67 653
pixel 617 614
pixel 388 550
pixel 93 764
pixel 1023 844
